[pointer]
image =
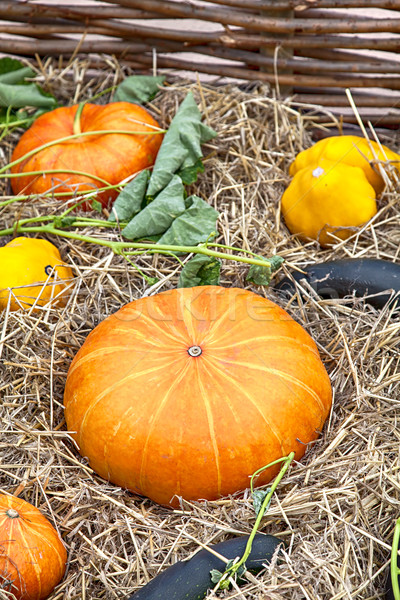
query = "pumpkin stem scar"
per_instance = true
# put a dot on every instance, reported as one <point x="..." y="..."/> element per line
<point x="12" y="513"/>
<point x="49" y="270"/>
<point x="194" y="351"/>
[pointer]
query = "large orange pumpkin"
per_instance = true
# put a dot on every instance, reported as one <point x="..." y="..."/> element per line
<point x="190" y="391"/>
<point x="32" y="555"/>
<point x="109" y="156"/>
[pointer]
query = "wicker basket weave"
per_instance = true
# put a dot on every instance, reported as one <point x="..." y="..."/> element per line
<point x="312" y="49"/>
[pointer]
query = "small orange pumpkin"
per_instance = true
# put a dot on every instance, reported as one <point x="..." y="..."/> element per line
<point x="32" y="555"/>
<point x="190" y="391"/>
<point x="109" y="156"/>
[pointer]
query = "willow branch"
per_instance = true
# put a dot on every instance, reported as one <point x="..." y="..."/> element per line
<point x="11" y="11"/>
<point x="278" y="5"/>
<point x="261" y="23"/>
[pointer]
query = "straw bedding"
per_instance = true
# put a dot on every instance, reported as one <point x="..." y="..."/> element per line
<point x="336" y="509"/>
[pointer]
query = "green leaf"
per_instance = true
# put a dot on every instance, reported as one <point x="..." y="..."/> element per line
<point x="258" y="499"/>
<point x="215" y="575"/>
<point x="14" y="71"/>
<point x="241" y="571"/>
<point x="151" y="280"/>
<point x="189" y="174"/>
<point x="6" y="116"/>
<point x="157" y="216"/>
<point x="193" y="226"/>
<point x="138" y="88"/>
<point x="20" y="118"/>
<point x="129" y="201"/>
<point x="200" y="270"/>
<point x="97" y="206"/>
<point x="262" y="275"/>
<point x="180" y="150"/>
<point x="60" y="222"/>
<point x="19" y="96"/>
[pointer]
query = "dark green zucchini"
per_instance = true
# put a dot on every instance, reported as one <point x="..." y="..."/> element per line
<point x="191" y="579"/>
<point x="352" y="276"/>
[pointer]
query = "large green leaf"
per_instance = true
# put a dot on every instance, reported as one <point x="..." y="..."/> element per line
<point x="13" y="71"/>
<point x="157" y="216"/>
<point x="15" y="92"/>
<point x="19" y="96"/>
<point x="181" y="147"/>
<point x="129" y="201"/>
<point x="193" y="226"/>
<point x="168" y="217"/>
<point x="138" y="88"/>
<point x="200" y="270"/>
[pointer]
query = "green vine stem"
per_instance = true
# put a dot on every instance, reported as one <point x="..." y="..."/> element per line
<point x="84" y="193"/>
<point x="134" y="248"/>
<point x="394" y="569"/>
<point x="287" y="460"/>
<point x="52" y="171"/>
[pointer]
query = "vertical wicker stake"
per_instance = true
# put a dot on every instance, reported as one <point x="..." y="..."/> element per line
<point x="271" y="51"/>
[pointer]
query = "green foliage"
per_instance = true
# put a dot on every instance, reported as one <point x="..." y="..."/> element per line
<point x="16" y="95"/>
<point x="130" y="200"/>
<point x="13" y="71"/>
<point x="189" y="174"/>
<point x="158" y="216"/>
<point x="155" y="205"/>
<point x="200" y="270"/>
<point x="62" y="222"/>
<point x="262" y="275"/>
<point x="181" y="147"/>
<point x="19" y="96"/>
<point x="16" y="92"/>
<point x="195" y="225"/>
<point x="97" y="206"/>
<point x="138" y="89"/>
<point x="216" y="575"/>
<point x="259" y="497"/>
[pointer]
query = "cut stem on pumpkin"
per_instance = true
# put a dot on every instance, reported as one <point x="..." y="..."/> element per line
<point x="76" y="128"/>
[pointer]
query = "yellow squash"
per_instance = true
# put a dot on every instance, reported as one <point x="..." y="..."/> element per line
<point x="350" y="150"/>
<point x="328" y="197"/>
<point x="33" y="272"/>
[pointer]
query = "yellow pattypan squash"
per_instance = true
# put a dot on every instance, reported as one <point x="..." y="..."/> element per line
<point x="326" y="197"/>
<point x="350" y="150"/>
<point x="34" y="272"/>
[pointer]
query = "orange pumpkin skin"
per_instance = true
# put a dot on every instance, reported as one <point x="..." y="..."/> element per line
<point x="32" y="555"/>
<point x="154" y="419"/>
<point x="112" y="157"/>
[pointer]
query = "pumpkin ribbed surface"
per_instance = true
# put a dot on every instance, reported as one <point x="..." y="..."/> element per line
<point x="32" y="555"/>
<point x="190" y="391"/>
<point x="109" y="156"/>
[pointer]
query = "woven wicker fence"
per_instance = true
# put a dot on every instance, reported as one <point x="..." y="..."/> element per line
<point x="312" y="49"/>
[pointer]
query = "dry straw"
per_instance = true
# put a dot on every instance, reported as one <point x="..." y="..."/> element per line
<point x="337" y="508"/>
